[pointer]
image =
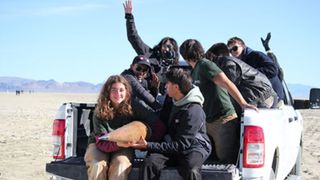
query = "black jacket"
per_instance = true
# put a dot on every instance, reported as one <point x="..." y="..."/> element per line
<point x="139" y="46"/>
<point x="140" y="90"/>
<point x="275" y="60"/>
<point x="265" y="65"/>
<point x="253" y="85"/>
<point x="186" y="128"/>
<point x="187" y="132"/>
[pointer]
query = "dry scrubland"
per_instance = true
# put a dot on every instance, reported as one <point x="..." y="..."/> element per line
<point x="25" y="134"/>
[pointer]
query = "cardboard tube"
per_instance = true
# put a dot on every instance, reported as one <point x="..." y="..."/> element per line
<point x="130" y="132"/>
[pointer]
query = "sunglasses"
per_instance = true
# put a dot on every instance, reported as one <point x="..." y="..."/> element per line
<point x="141" y="69"/>
<point x="234" y="48"/>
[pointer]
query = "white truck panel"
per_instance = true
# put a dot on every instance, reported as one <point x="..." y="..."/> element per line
<point x="282" y="132"/>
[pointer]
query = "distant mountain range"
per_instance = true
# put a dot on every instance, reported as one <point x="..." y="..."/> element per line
<point x="11" y="84"/>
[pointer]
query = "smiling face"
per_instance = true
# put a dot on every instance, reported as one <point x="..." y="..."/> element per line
<point x="236" y="48"/>
<point x="117" y="93"/>
<point x="140" y="71"/>
<point x="166" y="46"/>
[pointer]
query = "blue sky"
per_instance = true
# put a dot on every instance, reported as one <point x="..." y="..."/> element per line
<point x="85" y="40"/>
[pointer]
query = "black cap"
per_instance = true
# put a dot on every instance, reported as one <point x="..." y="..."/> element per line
<point x="141" y="59"/>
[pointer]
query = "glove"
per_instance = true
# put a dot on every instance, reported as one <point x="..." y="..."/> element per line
<point x="265" y="42"/>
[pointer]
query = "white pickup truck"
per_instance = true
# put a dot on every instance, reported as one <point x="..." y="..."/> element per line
<point x="271" y="145"/>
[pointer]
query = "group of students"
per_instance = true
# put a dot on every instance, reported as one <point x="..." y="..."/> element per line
<point x="202" y="105"/>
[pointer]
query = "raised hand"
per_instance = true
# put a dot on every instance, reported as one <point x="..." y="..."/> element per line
<point x="265" y="42"/>
<point x="127" y="5"/>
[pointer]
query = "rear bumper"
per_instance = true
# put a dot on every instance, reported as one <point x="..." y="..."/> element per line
<point x="74" y="168"/>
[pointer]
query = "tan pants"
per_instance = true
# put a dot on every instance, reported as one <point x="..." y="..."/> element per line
<point x="104" y="166"/>
<point x="225" y="134"/>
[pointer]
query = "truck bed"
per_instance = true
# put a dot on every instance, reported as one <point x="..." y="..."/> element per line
<point x="74" y="168"/>
<point x="280" y="126"/>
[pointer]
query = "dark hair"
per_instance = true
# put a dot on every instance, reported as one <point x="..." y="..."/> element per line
<point x="235" y="39"/>
<point x="104" y="107"/>
<point x="191" y="49"/>
<point x="173" y="42"/>
<point x="216" y="50"/>
<point x="181" y="78"/>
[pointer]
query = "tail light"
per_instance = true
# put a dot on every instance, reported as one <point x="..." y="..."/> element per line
<point x="254" y="147"/>
<point x="58" y="138"/>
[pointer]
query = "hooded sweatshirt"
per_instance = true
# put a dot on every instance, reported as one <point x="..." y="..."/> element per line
<point x="187" y="130"/>
<point x="194" y="96"/>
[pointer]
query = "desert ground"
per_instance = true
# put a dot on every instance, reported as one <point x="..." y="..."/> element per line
<point x="26" y="127"/>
